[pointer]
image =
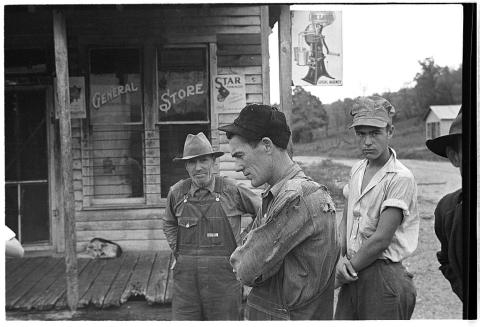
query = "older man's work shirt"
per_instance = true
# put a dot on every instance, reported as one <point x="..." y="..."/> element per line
<point x="392" y="186"/>
<point x="294" y="239"/>
<point x="236" y="200"/>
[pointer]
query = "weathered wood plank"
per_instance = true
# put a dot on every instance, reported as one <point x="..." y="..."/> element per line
<point x="158" y="280"/>
<point x="230" y="49"/>
<point x="226" y="118"/>
<point x="226" y="20"/>
<point x="240" y="60"/>
<point x="100" y="287"/>
<point x="85" y="280"/>
<point x="266" y="30"/>
<point x="120" y="225"/>
<point x="285" y="61"/>
<point x="152" y="188"/>
<point x="113" y="297"/>
<point x="31" y="264"/>
<point x="115" y="235"/>
<point x="56" y="290"/>
<point x="28" y="282"/>
<point x="240" y="70"/>
<point x="253" y="79"/>
<point x="225" y="38"/>
<point x="28" y="299"/>
<point x="253" y="88"/>
<point x="137" y="285"/>
<point x="124" y="214"/>
<point x="254" y="98"/>
<point x="12" y="264"/>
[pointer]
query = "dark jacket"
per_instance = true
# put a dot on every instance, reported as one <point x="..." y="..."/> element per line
<point x="449" y="230"/>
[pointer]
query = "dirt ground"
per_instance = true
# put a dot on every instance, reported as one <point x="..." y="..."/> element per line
<point x="435" y="299"/>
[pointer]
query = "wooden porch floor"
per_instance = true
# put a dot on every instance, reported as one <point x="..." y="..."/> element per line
<point x="38" y="283"/>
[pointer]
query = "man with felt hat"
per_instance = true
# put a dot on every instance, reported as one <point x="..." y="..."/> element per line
<point x="448" y="213"/>
<point x="202" y="225"/>
<point x="289" y="255"/>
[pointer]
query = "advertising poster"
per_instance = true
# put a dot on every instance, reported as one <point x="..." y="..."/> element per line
<point x="317" y="48"/>
<point x="77" y="98"/>
<point x="229" y="92"/>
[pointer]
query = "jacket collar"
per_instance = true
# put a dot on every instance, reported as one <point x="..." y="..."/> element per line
<point x="293" y="170"/>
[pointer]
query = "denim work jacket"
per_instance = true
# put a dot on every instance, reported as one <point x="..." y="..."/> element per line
<point x="290" y="254"/>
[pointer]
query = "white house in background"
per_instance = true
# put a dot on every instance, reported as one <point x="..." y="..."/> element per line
<point x="438" y="120"/>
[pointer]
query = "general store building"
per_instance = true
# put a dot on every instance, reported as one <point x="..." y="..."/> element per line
<point x="141" y="79"/>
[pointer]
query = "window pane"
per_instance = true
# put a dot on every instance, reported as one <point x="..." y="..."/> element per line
<point x="116" y="165"/>
<point x="172" y="139"/>
<point x="117" y="162"/>
<point x="115" y="86"/>
<point x="183" y="84"/>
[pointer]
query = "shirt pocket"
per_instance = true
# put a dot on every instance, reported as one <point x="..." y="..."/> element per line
<point x="188" y="230"/>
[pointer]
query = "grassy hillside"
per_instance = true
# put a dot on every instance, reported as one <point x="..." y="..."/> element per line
<point x="408" y="141"/>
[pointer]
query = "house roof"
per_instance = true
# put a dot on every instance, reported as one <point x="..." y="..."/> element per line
<point x="444" y="112"/>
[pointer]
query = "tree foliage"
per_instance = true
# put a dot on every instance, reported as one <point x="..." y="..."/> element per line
<point x="308" y="114"/>
<point x="434" y="85"/>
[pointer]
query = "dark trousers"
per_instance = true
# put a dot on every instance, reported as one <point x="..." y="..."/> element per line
<point x="205" y="288"/>
<point x="384" y="290"/>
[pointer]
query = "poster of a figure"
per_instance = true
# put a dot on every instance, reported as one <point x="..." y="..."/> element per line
<point x="317" y="48"/>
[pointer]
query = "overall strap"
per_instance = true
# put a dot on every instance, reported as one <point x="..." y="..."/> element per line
<point x="218" y="184"/>
<point x="185" y="186"/>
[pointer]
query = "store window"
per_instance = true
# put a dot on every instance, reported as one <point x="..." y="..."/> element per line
<point x="116" y="124"/>
<point x="184" y="105"/>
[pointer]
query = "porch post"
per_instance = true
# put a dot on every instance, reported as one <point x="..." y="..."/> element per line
<point x="63" y="98"/>
<point x="285" y="61"/>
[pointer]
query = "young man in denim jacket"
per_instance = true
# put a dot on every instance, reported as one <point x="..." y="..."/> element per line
<point x="289" y="256"/>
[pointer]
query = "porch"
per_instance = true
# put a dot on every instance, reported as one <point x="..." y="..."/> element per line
<point x="38" y="283"/>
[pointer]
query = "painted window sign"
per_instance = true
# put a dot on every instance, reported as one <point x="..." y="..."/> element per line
<point x="170" y="98"/>
<point x="317" y="48"/>
<point x="229" y="92"/>
<point x="99" y="99"/>
<point x="182" y="87"/>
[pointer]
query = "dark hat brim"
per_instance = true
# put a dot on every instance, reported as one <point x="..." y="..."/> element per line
<point x="215" y="154"/>
<point x="238" y="130"/>
<point x="438" y="145"/>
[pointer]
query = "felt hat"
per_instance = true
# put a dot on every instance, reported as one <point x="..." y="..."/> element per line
<point x="197" y="146"/>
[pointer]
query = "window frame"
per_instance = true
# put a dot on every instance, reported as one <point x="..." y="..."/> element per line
<point x="211" y="64"/>
<point x="87" y="143"/>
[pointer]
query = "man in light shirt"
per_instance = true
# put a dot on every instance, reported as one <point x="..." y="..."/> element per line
<point x="380" y="223"/>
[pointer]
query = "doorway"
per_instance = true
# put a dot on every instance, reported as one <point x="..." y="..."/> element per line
<point x="26" y="165"/>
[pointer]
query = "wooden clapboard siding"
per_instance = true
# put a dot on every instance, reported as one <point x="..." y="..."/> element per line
<point x="235" y="36"/>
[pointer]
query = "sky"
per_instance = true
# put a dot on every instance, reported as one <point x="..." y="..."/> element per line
<point x="382" y="45"/>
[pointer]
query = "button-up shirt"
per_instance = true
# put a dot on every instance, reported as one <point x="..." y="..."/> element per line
<point x="392" y="186"/>
<point x="296" y="231"/>
<point x="236" y="200"/>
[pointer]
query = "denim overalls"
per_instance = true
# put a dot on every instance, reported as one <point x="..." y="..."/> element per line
<point x="205" y="287"/>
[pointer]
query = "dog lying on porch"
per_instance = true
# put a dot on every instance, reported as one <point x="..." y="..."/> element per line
<point x="100" y="248"/>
